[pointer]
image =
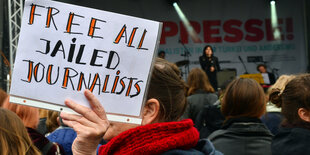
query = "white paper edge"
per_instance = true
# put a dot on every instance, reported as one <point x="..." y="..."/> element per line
<point x="49" y="106"/>
<point x="151" y="67"/>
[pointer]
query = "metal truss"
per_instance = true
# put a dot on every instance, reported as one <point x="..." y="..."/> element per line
<point x="15" y="8"/>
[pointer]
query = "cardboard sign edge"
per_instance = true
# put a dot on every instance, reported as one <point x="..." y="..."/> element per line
<point x="60" y="108"/>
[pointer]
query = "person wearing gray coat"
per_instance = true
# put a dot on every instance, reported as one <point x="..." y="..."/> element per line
<point x="197" y="101"/>
<point x="200" y="93"/>
<point x="243" y="133"/>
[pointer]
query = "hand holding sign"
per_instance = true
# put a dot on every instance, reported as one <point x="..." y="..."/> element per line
<point x="63" y="51"/>
<point x="90" y="126"/>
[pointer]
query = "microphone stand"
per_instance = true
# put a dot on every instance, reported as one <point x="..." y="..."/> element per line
<point x="186" y="58"/>
<point x="246" y="71"/>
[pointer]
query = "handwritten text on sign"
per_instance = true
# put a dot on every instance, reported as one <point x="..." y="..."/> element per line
<point x="64" y="49"/>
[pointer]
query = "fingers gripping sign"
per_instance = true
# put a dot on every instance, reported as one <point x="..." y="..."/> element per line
<point x="95" y="105"/>
<point x="90" y="126"/>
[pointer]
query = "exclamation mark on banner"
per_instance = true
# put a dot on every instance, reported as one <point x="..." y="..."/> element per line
<point x="289" y="29"/>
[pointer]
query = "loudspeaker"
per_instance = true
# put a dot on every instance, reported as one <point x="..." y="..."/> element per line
<point x="225" y="75"/>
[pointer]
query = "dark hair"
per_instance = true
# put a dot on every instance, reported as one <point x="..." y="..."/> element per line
<point x="167" y="86"/>
<point x="275" y="97"/>
<point x="243" y="98"/>
<point x="260" y="65"/>
<point x="295" y="96"/>
<point x="160" y="52"/>
<point x="205" y="48"/>
<point x="198" y="79"/>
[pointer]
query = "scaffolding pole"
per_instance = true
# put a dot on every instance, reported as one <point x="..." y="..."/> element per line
<point x="15" y="17"/>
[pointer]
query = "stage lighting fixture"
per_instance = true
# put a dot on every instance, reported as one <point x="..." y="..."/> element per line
<point x="175" y="4"/>
<point x="274" y="20"/>
<point x="189" y="28"/>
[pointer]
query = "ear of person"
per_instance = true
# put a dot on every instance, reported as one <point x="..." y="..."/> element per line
<point x="150" y="112"/>
<point x="304" y="114"/>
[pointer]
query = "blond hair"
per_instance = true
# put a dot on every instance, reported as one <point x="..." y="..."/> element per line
<point x="282" y="81"/>
<point x="51" y="121"/>
<point x="276" y="89"/>
<point x="14" y="138"/>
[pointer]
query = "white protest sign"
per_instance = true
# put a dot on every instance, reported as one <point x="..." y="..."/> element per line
<point x="64" y="49"/>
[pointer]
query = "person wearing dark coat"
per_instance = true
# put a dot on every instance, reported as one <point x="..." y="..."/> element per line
<point x="208" y="120"/>
<point x="197" y="101"/>
<point x="203" y="147"/>
<point x="290" y="141"/>
<point x="272" y="120"/>
<point x="209" y="63"/>
<point x="210" y="117"/>
<point x="42" y="126"/>
<point x="242" y="132"/>
<point x="43" y="144"/>
<point x="242" y="136"/>
<point x="271" y="77"/>
<point x="200" y="93"/>
<point x="294" y="134"/>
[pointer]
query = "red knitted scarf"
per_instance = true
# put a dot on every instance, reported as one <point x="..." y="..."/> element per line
<point x="153" y="139"/>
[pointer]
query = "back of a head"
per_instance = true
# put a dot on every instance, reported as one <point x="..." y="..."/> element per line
<point x="51" y="121"/>
<point x="14" y="138"/>
<point x="167" y="86"/>
<point x="43" y="113"/>
<point x="260" y="65"/>
<point x="197" y="79"/>
<point x="295" y="96"/>
<point x="279" y="86"/>
<point x="282" y="82"/>
<point x="243" y="98"/>
<point x="29" y="115"/>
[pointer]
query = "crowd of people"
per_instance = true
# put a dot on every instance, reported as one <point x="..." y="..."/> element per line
<point x="178" y="117"/>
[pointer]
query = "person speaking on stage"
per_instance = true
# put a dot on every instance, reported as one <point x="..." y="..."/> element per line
<point x="263" y="70"/>
<point x="209" y="63"/>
